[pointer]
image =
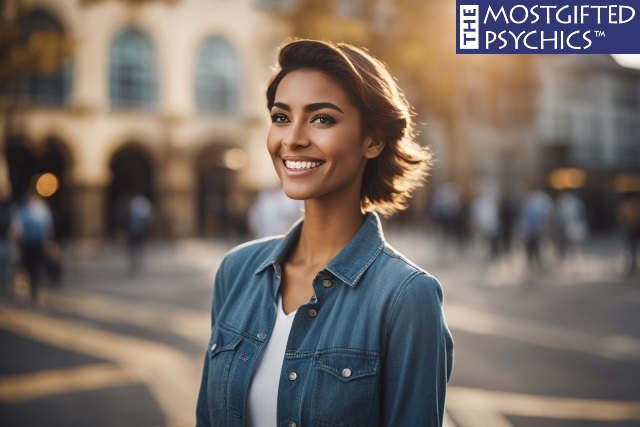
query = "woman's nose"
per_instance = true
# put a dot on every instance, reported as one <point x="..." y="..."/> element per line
<point x="296" y="137"/>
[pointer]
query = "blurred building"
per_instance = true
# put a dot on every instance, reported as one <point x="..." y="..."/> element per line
<point x="561" y="122"/>
<point x="588" y="129"/>
<point x="164" y="99"/>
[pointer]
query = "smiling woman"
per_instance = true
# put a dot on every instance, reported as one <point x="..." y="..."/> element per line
<point x="326" y="135"/>
<point x="328" y="325"/>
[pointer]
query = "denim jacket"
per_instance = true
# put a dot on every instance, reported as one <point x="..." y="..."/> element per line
<point x="371" y="348"/>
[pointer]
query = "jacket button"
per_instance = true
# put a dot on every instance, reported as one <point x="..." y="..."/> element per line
<point x="312" y="312"/>
<point x="327" y="283"/>
<point x="346" y="372"/>
<point x="293" y="376"/>
<point x="261" y="335"/>
<point x="292" y="424"/>
<point x="213" y="347"/>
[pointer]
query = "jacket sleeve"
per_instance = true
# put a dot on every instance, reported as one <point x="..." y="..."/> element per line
<point x="203" y="417"/>
<point x="418" y="356"/>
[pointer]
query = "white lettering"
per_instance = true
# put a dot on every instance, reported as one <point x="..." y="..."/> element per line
<point x="490" y="37"/>
<point x="495" y="17"/>
<point x="534" y="13"/>
<point x="469" y="29"/>
<point x="583" y="13"/>
<point x="502" y="39"/>
<point x="516" y="39"/>
<point x="585" y="36"/>
<point x="526" y="44"/>
<point x="554" y="39"/>
<point x="612" y="15"/>
<point x="548" y="9"/>
<point x="599" y="8"/>
<point x="526" y="14"/>
<point x="633" y="13"/>
<point x="569" y="40"/>
<point x="559" y="19"/>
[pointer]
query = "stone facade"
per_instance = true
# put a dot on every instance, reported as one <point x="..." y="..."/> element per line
<point x="198" y="164"/>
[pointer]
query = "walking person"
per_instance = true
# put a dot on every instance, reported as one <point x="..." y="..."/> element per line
<point x="138" y="218"/>
<point x="273" y="213"/>
<point x="35" y="229"/>
<point x="534" y="220"/>
<point x="6" y="214"/>
<point x="447" y="211"/>
<point x="571" y="224"/>
<point x="328" y="325"/>
<point x="485" y="218"/>
<point x="508" y="212"/>
<point x="629" y="218"/>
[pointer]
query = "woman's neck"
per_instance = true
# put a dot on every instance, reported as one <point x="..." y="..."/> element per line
<point x="325" y="232"/>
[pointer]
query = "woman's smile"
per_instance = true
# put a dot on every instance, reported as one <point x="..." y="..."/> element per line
<point x="298" y="165"/>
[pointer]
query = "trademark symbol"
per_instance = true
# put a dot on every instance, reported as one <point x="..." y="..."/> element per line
<point x="600" y="33"/>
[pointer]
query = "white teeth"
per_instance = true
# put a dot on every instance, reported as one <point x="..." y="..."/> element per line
<point x="299" y="165"/>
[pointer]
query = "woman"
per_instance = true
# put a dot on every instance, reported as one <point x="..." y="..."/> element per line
<point x="328" y="325"/>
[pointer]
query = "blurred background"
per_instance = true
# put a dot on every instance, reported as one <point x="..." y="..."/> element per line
<point x="132" y="157"/>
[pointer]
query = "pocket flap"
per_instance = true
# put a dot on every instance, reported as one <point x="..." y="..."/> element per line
<point x="223" y="340"/>
<point x="348" y="365"/>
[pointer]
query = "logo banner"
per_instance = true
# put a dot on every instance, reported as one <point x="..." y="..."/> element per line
<point x="544" y="26"/>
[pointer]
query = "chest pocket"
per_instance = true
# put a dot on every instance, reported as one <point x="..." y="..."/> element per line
<point x="222" y="351"/>
<point x="344" y="388"/>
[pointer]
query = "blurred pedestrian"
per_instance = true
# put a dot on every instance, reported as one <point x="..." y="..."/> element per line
<point x="138" y="220"/>
<point x="6" y="215"/>
<point x="508" y="209"/>
<point x="629" y="218"/>
<point x="35" y="230"/>
<point x="571" y="226"/>
<point x="329" y="325"/>
<point x="273" y="213"/>
<point x="485" y="218"/>
<point x="445" y="208"/>
<point x="533" y="223"/>
<point x="449" y="209"/>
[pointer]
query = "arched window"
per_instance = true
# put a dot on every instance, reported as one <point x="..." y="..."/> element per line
<point x="132" y="77"/>
<point x="216" y="76"/>
<point x="43" y="75"/>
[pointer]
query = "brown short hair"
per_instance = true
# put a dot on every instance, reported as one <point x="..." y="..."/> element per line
<point x="403" y="164"/>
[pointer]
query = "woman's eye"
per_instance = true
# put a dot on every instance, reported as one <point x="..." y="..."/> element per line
<point x="323" y="120"/>
<point x="279" y="118"/>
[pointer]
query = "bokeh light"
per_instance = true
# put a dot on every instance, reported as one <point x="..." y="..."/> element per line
<point x="567" y="178"/>
<point x="234" y="158"/>
<point x="47" y="184"/>
<point x="627" y="183"/>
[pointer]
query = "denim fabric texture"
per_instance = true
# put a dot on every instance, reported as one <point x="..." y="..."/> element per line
<point x="371" y="348"/>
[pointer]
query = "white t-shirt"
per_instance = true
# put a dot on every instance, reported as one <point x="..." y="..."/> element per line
<point x="262" y="407"/>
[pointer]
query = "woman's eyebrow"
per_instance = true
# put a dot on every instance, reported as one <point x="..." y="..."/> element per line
<point x="311" y="107"/>
<point x="320" y="105"/>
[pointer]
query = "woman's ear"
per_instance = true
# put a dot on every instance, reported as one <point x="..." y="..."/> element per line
<point x="374" y="146"/>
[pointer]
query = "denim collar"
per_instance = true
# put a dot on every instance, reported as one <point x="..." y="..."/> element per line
<point x="352" y="261"/>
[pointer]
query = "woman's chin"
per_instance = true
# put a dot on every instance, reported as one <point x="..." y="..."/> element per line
<point x="295" y="194"/>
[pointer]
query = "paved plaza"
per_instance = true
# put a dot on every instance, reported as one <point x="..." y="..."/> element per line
<point x="557" y="346"/>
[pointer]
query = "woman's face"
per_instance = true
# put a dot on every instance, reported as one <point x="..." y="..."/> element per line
<point x="315" y="138"/>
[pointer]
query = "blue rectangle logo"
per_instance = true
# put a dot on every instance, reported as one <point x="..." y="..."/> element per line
<point x="547" y="26"/>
